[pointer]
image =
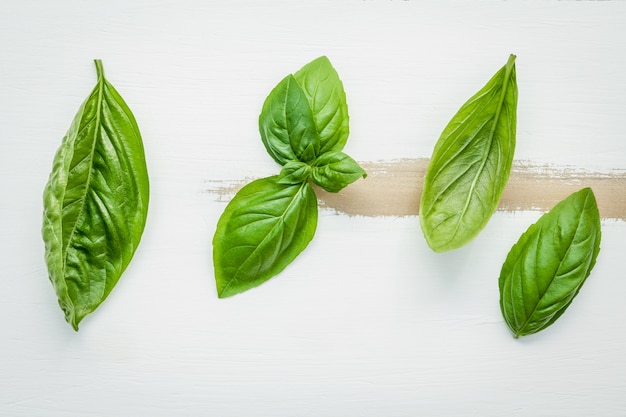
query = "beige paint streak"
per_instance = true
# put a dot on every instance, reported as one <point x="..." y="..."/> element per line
<point x="394" y="188"/>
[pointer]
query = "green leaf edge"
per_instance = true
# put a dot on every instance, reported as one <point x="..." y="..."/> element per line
<point x="60" y="287"/>
<point x="593" y="217"/>
<point x="226" y="217"/>
<point x="508" y="67"/>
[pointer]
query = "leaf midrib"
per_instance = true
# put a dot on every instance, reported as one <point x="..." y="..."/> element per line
<point x="485" y="156"/>
<point x="280" y="219"/>
<point x="100" y="86"/>
<point x="520" y="332"/>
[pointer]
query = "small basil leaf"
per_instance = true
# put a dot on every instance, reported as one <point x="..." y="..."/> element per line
<point x="263" y="228"/>
<point x="309" y="153"/>
<point x="335" y="170"/>
<point x="286" y="124"/>
<point x="294" y="173"/>
<point x="95" y="202"/>
<point x="546" y="268"/>
<point x="470" y="165"/>
<point x="324" y="91"/>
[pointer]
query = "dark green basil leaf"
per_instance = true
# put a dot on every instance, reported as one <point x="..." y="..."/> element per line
<point x="546" y="268"/>
<point x="334" y="170"/>
<point x="327" y="99"/>
<point x="95" y="202"/>
<point x="471" y="164"/>
<point x="263" y="228"/>
<point x="286" y="124"/>
<point x="294" y="173"/>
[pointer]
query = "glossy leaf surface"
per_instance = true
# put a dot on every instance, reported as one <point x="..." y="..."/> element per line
<point x="335" y="170"/>
<point x="324" y="90"/>
<point x="287" y="125"/>
<point x="263" y="228"/>
<point x="546" y="268"/>
<point x="470" y="165"/>
<point x="294" y="173"/>
<point x="95" y="202"/>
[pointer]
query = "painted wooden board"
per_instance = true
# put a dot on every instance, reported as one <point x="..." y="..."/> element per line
<point x="368" y="321"/>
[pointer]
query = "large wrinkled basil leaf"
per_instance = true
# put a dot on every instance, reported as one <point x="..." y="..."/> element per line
<point x="95" y="202"/>
<point x="335" y="170"/>
<point x="546" y="268"/>
<point x="327" y="99"/>
<point x="263" y="228"/>
<point x="286" y="124"/>
<point x="470" y="165"/>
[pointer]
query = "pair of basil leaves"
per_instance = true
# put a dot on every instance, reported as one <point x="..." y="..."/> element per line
<point x="464" y="181"/>
<point x="96" y="199"/>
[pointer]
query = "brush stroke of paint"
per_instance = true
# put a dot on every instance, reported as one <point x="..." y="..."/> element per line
<point x="394" y="188"/>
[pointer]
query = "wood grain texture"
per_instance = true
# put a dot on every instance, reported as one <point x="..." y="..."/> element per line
<point x="368" y="321"/>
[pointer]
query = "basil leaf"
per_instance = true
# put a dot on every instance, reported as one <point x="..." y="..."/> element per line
<point x="546" y="268"/>
<point x="286" y="124"/>
<point x="95" y="202"/>
<point x="471" y="164"/>
<point x="294" y="173"/>
<point x="263" y="228"/>
<point x="334" y="170"/>
<point x="327" y="99"/>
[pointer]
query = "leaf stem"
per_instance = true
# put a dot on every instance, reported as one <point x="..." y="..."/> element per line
<point x="99" y="68"/>
<point x="510" y="62"/>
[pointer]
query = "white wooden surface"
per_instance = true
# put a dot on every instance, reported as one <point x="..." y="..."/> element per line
<point x="368" y="321"/>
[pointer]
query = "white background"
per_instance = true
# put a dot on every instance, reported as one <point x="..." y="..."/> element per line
<point x="367" y="321"/>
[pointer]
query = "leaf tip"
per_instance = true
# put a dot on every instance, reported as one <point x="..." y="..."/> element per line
<point x="323" y="58"/>
<point x="587" y="191"/>
<point x="438" y="248"/>
<point x="223" y="290"/>
<point x="74" y="323"/>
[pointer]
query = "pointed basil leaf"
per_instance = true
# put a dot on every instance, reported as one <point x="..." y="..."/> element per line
<point x="309" y="153"/>
<point x="324" y="91"/>
<point x="264" y="227"/>
<point x="294" y="173"/>
<point x="470" y="164"/>
<point x="286" y="124"/>
<point x="546" y="268"/>
<point x="95" y="202"/>
<point x="335" y="170"/>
